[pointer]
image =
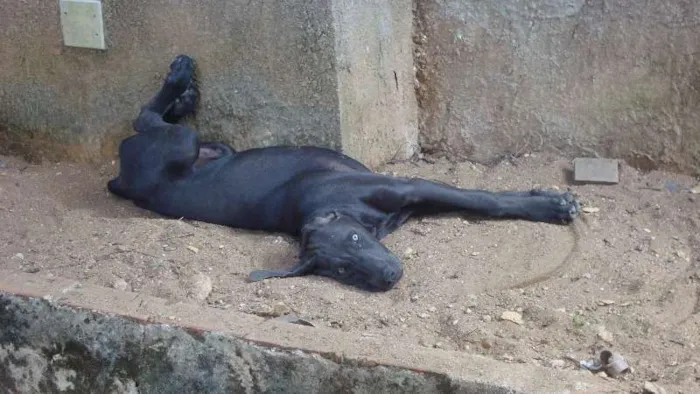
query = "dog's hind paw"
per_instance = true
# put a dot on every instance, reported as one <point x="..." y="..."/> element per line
<point x="185" y="104"/>
<point x="181" y="72"/>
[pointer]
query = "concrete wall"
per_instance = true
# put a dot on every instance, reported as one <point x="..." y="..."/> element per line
<point x="268" y="73"/>
<point x="614" y="78"/>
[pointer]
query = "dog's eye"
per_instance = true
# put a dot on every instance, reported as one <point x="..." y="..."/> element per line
<point x="355" y="237"/>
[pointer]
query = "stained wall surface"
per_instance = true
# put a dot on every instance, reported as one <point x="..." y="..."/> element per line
<point x="615" y="78"/>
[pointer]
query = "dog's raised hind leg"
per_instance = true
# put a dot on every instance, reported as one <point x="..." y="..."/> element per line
<point x="177" y="96"/>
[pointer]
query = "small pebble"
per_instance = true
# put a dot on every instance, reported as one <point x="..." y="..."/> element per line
<point x="280" y="309"/>
<point x="409" y="253"/>
<point x="605" y="335"/>
<point x="192" y="249"/>
<point x="120" y="284"/>
<point x="653" y="388"/>
<point x="200" y="287"/>
<point x="590" y="209"/>
<point x="511" y="316"/>
<point x="486" y="318"/>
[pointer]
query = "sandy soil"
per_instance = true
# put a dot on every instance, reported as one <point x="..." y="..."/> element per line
<point x="624" y="278"/>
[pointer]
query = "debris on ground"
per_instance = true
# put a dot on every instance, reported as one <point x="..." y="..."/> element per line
<point x="200" y="287"/>
<point x="120" y="284"/>
<point x="605" y="335"/>
<point x="511" y="316"/>
<point x="590" y="209"/>
<point x="595" y="170"/>
<point x="613" y="364"/>
<point x="652" y="388"/>
<point x="294" y="319"/>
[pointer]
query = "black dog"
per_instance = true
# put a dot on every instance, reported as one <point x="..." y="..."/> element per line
<point x="338" y="207"/>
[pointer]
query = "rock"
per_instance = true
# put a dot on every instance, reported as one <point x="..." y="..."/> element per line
<point x="120" y="284"/>
<point x="596" y="170"/>
<point x="200" y="287"/>
<point x="18" y="256"/>
<point x="432" y="309"/>
<point x="409" y="253"/>
<point x="652" y="388"/>
<point x="606" y="302"/>
<point x="192" y="249"/>
<point x="695" y="190"/>
<point x="511" y="316"/>
<point x="280" y="309"/>
<point x="486" y="318"/>
<point x="590" y="209"/>
<point x="605" y="335"/>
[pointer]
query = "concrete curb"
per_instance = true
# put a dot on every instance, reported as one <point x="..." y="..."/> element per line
<point x="34" y="308"/>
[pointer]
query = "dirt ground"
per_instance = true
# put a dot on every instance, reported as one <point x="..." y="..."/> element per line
<point x="624" y="277"/>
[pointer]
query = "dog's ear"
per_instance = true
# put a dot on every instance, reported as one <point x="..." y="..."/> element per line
<point x="315" y="223"/>
<point x="323" y="219"/>
<point x="304" y="267"/>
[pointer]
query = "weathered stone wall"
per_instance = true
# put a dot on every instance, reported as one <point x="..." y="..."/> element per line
<point x="268" y="73"/>
<point x="60" y="335"/>
<point x="615" y="78"/>
<point x="49" y="349"/>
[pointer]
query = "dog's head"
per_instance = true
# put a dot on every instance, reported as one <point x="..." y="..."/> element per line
<point x="338" y="247"/>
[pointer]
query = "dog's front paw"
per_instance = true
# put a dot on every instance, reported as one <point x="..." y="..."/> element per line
<point x="553" y="207"/>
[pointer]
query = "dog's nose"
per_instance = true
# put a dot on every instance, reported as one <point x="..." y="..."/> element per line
<point x="392" y="276"/>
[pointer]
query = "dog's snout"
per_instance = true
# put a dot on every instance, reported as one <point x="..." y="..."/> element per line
<point x="392" y="276"/>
